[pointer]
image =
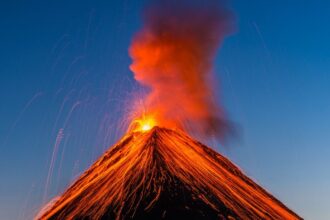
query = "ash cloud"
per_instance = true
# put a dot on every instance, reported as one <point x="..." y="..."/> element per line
<point x="173" y="55"/>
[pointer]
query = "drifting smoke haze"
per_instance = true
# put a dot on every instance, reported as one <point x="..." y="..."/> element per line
<point x="173" y="56"/>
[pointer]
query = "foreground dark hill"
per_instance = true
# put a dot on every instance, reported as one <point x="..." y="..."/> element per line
<point x="164" y="174"/>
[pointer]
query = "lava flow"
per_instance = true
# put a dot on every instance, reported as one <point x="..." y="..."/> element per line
<point x="165" y="174"/>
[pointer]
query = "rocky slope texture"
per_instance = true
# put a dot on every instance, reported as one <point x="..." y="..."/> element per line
<point x="164" y="174"/>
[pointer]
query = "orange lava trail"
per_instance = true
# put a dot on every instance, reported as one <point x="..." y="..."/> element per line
<point x="141" y="165"/>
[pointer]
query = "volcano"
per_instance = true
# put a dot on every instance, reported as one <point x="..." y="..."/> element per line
<point x="164" y="174"/>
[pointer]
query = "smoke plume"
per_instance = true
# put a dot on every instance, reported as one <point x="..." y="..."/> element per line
<point x="173" y="56"/>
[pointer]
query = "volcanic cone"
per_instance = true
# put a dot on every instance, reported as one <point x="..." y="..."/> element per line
<point x="164" y="174"/>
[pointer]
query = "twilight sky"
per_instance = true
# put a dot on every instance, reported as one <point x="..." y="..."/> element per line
<point x="65" y="87"/>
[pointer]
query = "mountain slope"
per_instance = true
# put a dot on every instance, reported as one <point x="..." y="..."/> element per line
<point x="165" y="174"/>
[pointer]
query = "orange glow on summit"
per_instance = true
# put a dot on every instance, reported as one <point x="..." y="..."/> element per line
<point x="146" y="127"/>
<point x="144" y="124"/>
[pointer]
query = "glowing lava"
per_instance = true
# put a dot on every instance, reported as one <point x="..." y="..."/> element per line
<point x="146" y="127"/>
<point x="164" y="174"/>
<point x="145" y="123"/>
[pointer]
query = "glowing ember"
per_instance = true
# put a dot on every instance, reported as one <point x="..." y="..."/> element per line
<point x="146" y="127"/>
<point x="144" y="124"/>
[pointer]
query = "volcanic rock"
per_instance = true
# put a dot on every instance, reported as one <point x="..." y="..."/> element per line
<point x="164" y="174"/>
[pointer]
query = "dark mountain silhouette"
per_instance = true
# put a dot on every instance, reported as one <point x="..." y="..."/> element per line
<point x="164" y="174"/>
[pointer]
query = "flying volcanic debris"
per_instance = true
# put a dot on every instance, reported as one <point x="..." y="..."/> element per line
<point x="173" y="55"/>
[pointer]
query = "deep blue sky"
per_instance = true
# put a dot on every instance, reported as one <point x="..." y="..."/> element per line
<point x="64" y="79"/>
